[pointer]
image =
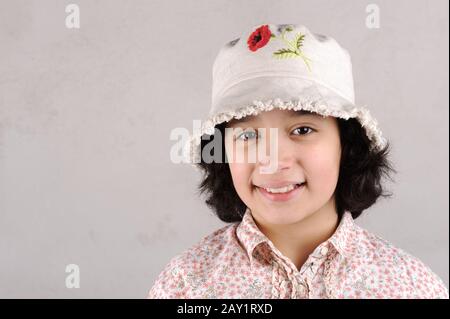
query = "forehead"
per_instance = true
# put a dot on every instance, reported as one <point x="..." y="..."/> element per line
<point x="288" y="114"/>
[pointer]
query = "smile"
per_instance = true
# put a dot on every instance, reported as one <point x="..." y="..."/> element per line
<point x="281" y="194"/>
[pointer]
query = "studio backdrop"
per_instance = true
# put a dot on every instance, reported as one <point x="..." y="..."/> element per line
<point x="91" y="204"/>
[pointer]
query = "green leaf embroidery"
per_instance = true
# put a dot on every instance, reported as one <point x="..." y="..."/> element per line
<point x="299" y="40"/>
<point x="294" y="49"/>
<point x="285" y="53"/>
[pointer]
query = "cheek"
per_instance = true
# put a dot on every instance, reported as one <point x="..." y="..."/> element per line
<point x="240" y="172"/>
<point x="321" y="164"/>
<point x="241" y="175"/>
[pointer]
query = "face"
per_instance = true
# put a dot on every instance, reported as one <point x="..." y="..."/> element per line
<point x="308" y="150"/>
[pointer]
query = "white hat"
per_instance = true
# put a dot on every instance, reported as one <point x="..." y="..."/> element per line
<point x="282" y="66"/>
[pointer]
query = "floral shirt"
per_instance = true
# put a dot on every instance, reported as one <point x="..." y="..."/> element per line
<point x="239" y="261"/>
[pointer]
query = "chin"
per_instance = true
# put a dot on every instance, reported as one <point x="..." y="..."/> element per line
<point x="283" y="215"/>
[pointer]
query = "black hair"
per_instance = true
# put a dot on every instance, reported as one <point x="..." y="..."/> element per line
<point x="359" y="184"/>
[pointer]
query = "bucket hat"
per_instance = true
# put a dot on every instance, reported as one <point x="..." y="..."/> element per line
<point x="283" y="66"/>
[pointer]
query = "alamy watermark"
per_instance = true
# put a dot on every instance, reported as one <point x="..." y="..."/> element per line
<point x="373" y="17"/>
<point x="73" y="279"/>
<point x="244" y="146"/>
<point x="73" y="18"/>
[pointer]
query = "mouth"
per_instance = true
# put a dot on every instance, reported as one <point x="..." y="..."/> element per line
<point x="283" y="193"/>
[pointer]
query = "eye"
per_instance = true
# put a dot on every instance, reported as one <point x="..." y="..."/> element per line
<point x="303" y="130"/>
<point x="245" y="136"/>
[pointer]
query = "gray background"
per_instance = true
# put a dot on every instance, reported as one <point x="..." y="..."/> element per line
<point x="85" y="118"/>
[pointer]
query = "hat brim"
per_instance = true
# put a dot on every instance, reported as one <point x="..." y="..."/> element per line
<point x="257" y="95"/>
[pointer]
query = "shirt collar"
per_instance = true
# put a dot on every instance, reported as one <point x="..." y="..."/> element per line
<point x="343" y="237"/>
<point x="250" y="236"/>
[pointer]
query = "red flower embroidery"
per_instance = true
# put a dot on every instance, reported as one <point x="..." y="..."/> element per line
<point x="259" y="38"/>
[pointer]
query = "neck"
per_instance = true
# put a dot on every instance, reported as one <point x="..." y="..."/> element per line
<point x="297" y="241"/>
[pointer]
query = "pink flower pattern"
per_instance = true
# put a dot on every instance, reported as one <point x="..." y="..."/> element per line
<point x="239" y="261"/>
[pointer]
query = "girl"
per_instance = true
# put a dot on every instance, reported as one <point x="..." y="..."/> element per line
<point x="292" y="232"/>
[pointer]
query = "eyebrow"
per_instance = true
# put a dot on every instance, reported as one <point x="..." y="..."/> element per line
<point x="247" y="119"/>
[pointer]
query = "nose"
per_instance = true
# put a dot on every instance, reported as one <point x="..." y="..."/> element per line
<point x="281" y="153"/>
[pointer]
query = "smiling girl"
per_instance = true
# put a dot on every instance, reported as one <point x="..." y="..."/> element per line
<point x="294" y="207"/>
<point x="292" y="232"/>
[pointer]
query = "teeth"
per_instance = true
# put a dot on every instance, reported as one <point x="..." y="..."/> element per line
<point x="282" y="189"/>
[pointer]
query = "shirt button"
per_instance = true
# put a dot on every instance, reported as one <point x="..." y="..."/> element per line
<point x="324" y="251"/>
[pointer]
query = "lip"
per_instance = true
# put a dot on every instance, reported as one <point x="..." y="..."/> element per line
<point x="281" y="197"/>
<point x="277" y="184"/>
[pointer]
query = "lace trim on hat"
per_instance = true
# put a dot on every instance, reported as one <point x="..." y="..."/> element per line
<point x="191" y="150"/>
